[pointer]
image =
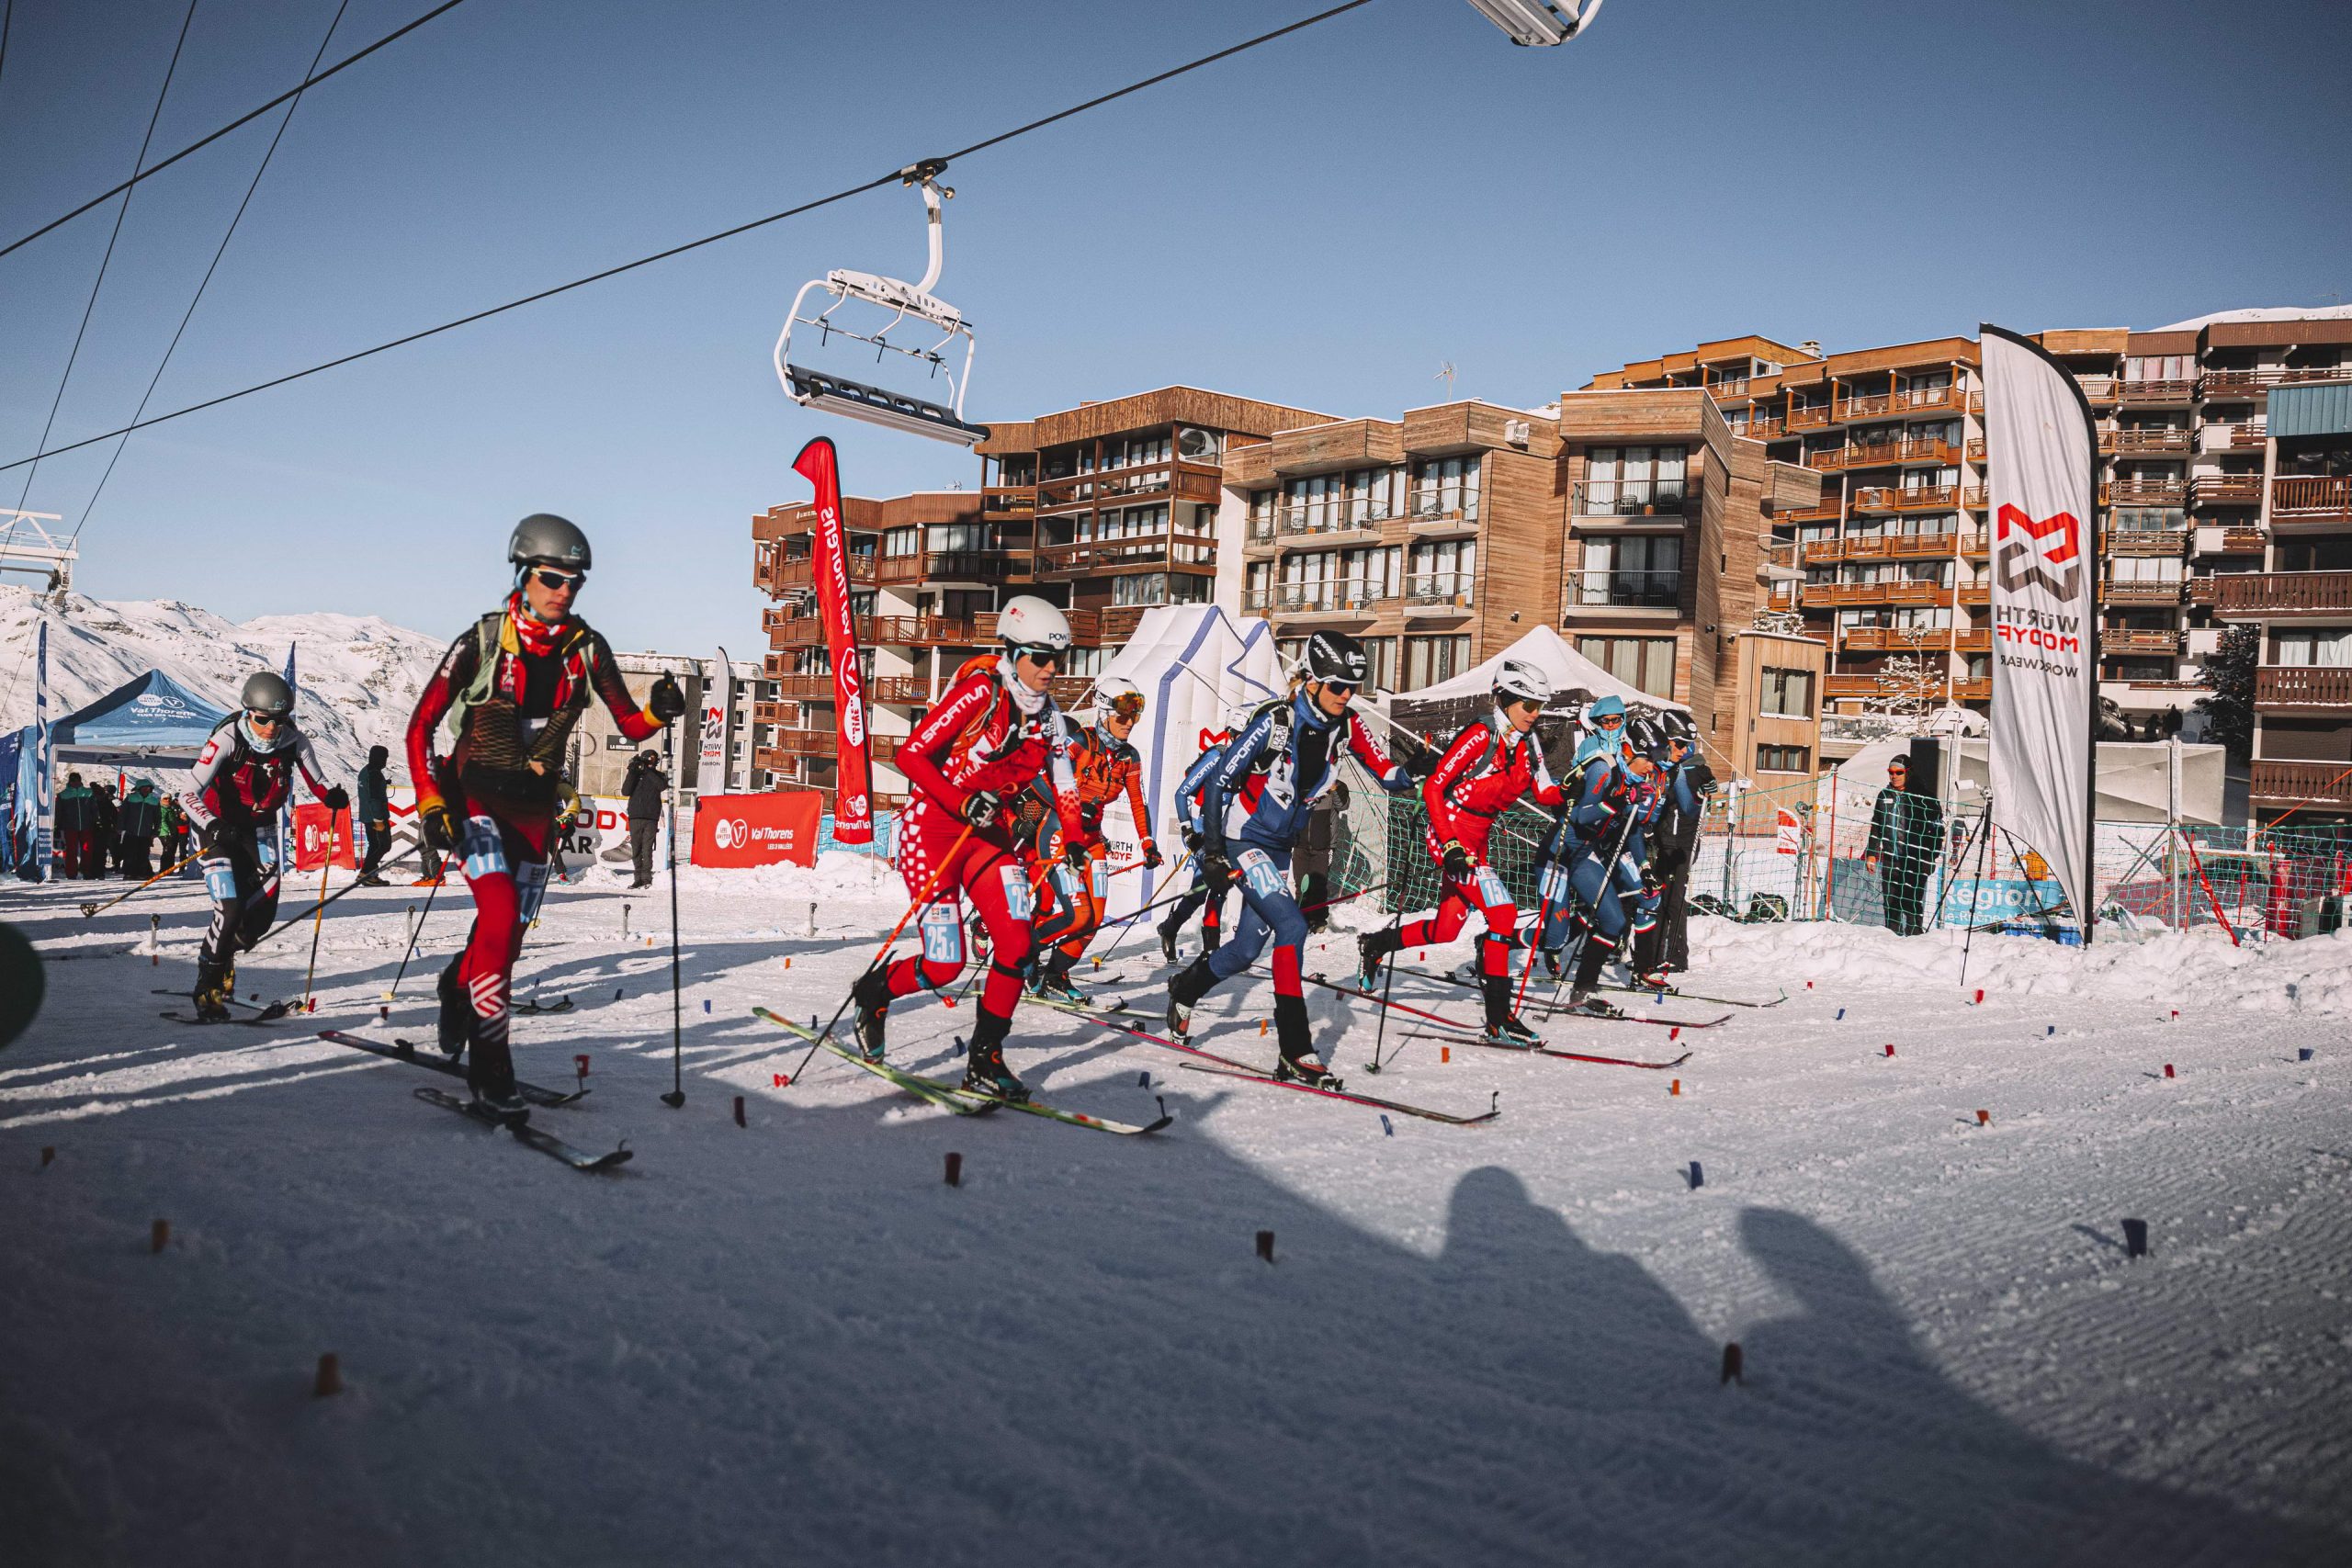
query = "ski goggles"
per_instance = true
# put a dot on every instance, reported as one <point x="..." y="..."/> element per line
<point x="264" y="720"/>
<point x="1127" y="705"/>
<point x="553" y="581"/>
<point x="1040" y="655"/>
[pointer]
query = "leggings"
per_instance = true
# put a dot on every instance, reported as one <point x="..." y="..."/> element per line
<point x="1483" y="891"/>
<point x="504" y="850"/>
<point x="988" y="874"/>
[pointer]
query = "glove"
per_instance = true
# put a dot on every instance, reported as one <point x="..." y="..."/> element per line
<point x="1214" y="864"/>
<point x="1458" y="864"/>
<point x="336" y="798"/>
<point x="981" y="807"/>
<point x="667" y="702"/>
<point x="1152" y="858"/>
<point x="1649" y="883"/>
<point x="440" y="826"/>
<point x="1419" y="763"/>
<point x="1191" y="838"/>
<point x="211" y="836"/>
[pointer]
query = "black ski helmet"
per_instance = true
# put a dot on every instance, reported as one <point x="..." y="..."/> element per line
<point x="267" y="692"/>
<point x="545" y="539"/>
<point x="1336" y="656"/>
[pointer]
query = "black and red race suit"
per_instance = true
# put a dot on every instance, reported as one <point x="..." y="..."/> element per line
<point x="988" y="734"/>
<point x="518" y="687"/>
<point x="240" y="781"/>
<point x="1489" y="767"/>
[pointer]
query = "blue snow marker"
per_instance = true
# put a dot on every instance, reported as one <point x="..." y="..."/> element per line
<point x="1143" y="1080"/>
<point x="1698" y="1176"/>
<point x="1841" y="1014"/>
<point x="1387" y="1131"/>
<point x="2303" y="1054"/>
<point x="706" y="1004"/>
<point x="617" y="993"/>
<point x="2135" y="1238"/>
<point x="2048" y="1029"/>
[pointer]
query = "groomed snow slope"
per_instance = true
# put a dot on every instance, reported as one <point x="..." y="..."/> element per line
<point x="792" y="1343"/>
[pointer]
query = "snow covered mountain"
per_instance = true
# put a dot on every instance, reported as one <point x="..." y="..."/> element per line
<point x="357" y="675"/>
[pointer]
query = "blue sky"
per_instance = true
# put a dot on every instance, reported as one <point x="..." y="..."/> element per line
<point x="1319" y="222"/>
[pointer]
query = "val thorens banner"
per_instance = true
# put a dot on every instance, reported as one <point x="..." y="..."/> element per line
<point x="852" y="801"/>
<point x="2040" y="451"/>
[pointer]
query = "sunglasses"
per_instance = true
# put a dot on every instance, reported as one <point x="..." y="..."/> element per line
<point x="1051" y="656"/>
<point x="1345" y="688"/>
<point x="554" y="580"/>
<point x="1610" y="721"/>
<point x="264" y="720"/>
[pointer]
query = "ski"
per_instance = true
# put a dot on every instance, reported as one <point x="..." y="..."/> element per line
<point x="401" y="1051"/>
<point x="1614" y="1015"/>
<point x="260" y="1022"/>
<point x="1075" y="1117"/>
<point x="1227" y="1067"/>
<point x="273" y="1010"/>
<point x="1619" y="1015"/>
<point x="561" y="1004"/>
<point x="1060" y="1006"/>
<point x="546" y="1142"/>
<point x="1662" y="993"/>
<point x="1544" y="1051"/>
<point x="931" y="1089"/>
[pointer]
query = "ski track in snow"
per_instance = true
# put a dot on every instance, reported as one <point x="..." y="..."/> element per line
<point x="791" y="1342"/>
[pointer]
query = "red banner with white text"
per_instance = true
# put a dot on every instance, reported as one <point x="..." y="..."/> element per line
<point x="311" y="838"/>
<point x="758" y="830"/>
<point x="852" y="800"/>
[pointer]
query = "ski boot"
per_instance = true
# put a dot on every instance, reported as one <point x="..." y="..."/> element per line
<point x="456" y="1020"/>
<point x="869" y="1007"/>
<point x="1189" y="986"/>
<point x="1299" y="1061"/>
<point x="211" y="997"/>
<point x="1583" y="1004"/>
<point x="984" y="1069"/>
<point x="1373" y="948"/>
<point x="1169" y="933"/>
<point x="1052" y="984"/>
<point x="503" y="1101"/>
<point x="1504" y="1026"/>
<point x="1653" y="980"/>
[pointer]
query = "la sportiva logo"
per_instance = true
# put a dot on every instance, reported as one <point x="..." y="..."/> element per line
<point x="2049" y="554"/>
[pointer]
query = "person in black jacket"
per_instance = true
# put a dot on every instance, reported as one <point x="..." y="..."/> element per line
<point x="140" y="818"/>
<point x="1685" y="783"/>
<point x="1906" y="838"/>
<point x="645" y="785"/>
<point x="102" y="831"/>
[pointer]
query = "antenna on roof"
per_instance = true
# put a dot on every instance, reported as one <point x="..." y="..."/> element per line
<point x="1445" y="374"/>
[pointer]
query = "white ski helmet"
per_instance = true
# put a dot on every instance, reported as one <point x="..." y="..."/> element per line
<point x="1521" y="680"/>
<point x="1027" y="621"/>
<point x="1116" y="693"/>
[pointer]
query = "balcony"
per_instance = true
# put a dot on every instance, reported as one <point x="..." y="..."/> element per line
<point x="2235" y="384"/>
<point x="1976" y="449"/>
<point x="790" y="631"/>
<point x="2304" y="688"/>
<point x="1910" y="498"/>
<point x="1974" y="596"/>
<point x="1764" y="427"/>
<point x="1439" y="593"/>
<point x="2304" y="498"/>
<point x="2286" y="595"/>
<point x="1334" y="518"/>
<point x="1007" y="500"/>
<point x="2144" y="441"/>
<point x="2281" y="786"/>
<point x="2145" y="541"/>
<point x="1348" y="599"/>
<point x="2097" y="388"/>
<point x="1928" y="399"/>
<point x="1667" y="500"/>
<point x="1979" y="690"/>
<point x="2146" y="492"/>
<point x="945" y="566"/>
<point x="2150" y="393"/>
<point x="1821" y="552"/>
<point x="1869" y="405"/>
<point x="1134" y="552"/>
<point x="1604" y="588"/>
<point x="1850" y="688"/>
<point x="1973" y="498"/>
<point x="1828" y="510"/>
<point x="1878" y="455"/>
<point x="1899" y="547"/>
<point x="2140" y="591"/>
<point x="2225" y="489"/>
<point x="780" y="573"/>
<point x="1438" y="514"/>
<point x="1897" y="591"/>
<point x="1809" y="416"/>
<point x="787" y="742"/>
<point x="2251" y="434"/>
<point x="1975" y="543"/>
<point x="2217" y="540"/>
<point x="798" y="688"/>
<point x="1977" y="640"/>
<point x="2137" y="640"/>
<point x="1894" y="640"/>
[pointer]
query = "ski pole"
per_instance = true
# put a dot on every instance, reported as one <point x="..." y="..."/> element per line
<point x="930" y="883"/>
<point x="1181" y="862"/>
<point x="89" y="910"/>
<point x="319" y="916"/>
<point x="415" y="937"/>
<point x="677" y="1095"/>
<point x="298" y="920"/>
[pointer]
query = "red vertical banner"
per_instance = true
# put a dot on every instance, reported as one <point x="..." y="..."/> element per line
<point x="853" y="803"/>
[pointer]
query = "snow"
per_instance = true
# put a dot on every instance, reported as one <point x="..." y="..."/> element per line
<point x="791" y="1342"/>
<point x="2265" y="313"/>
<point x="358" y="675"/>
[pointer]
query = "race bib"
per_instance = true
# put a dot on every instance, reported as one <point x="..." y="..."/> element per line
<point x="1260" y="873"/>
<point x="220" y="880"/>
<point x="1558" y="890"/>
<point x="1020" y="898"/>
<point x="485" y="852"/>
<point x="530" y="890"/>
<point x="1101" y="873"/>
<point x="1490" y="887"/>
<point x="943" y="933"/>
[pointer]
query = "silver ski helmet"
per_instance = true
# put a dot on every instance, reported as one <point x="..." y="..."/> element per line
<point x="1336" y="656"/>
<point x="266" y="692"/>
<point x="545" y="539"/>
<point x="1518" y="679"/>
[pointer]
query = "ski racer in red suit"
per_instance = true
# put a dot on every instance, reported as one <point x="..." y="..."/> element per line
<point x="1078" y="872"/>
<point x="990" y="737"/>
<point x="1492" y="764"/>
<point x="242" y="776"/>
<point x="513" y="685"/>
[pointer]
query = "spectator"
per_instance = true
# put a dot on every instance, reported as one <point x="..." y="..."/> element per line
<point x="141" y="817"/>
<point x="645" y="785"/>
<point x="373" y="798"/>
<point x="1906" y="838"/>
<point x="102" y="829"/>
<point x="77" y="816"/>
<point x="174" y="824"/>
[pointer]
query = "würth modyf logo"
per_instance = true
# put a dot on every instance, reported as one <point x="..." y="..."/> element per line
<point x="2049" y="554"/>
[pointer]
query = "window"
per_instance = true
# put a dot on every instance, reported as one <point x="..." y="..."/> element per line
<point x="1646" y="662"/>
<point x="1430" y="660"/>
<point x="1639" y="570"/>
<point x="2147" y="519"/>
<point x="1158" y="588"/>
<point x="1443" y="486"/>
<point x="2332" y="648"/>
<point x="2159" y="368"/>
<point x="1784" y="758"/>
<point x="2144" y="569"/>
<point x="1631" y="480"/>
<point x="963" y="536"/>
<point x="1444" y="570"/>
<point x="1372" y="494"/>
<point x="1788" y="694"/>
<point x="1381" y="652"/>
<point x="898" y="542"/>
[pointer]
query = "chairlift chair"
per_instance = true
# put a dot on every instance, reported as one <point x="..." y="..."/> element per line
<point x="830" y="394"/>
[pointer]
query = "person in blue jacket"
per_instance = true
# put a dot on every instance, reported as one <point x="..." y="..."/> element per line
<point x="1207" y="894"/>
<point x="1251" y="821"/>
<point x="1597" y="861"/>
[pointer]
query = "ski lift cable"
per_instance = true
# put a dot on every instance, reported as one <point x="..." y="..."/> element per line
<point x="895" y="177"/>
<point x="99" y="282"/>
<point x="243" y="119"/>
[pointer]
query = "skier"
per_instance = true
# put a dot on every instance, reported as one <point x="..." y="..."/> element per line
<point x="1303" y="735"/>
<point x="1106" y="765"/>
<point x="1491" y="764"/>
<point x="242" y="778"/>
<point x="1596" y="862"/>
<point x="1208" y="890"/>
<point x="515" y="685"/>
<point x="376" y="813"/>
<point x="142" y="816"/>
<point x="994" y="732"/>
<point x="1686" y="782"/>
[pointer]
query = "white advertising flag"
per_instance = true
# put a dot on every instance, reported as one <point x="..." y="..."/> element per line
<point x="2039" y="449"/>
<point x="717" y="707"/>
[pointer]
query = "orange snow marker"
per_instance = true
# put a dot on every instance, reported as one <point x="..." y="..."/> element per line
<point x="1266" y="1245"/>
<point x="48" y="1153"/>
<point x="329" y="1381"/>
<point x="2168" y="1069"/>
<point x="1445" y="1052"/>
<point x="159" y="1235"/>
<point x="1733" y="1369"/>
<point x="1261" y="1029"/>
<point x="787" y="961"/>
<point x="738" y="1110"/>
<point x="955" y="1169"/>
<point x="1098" y="961"/>
<point x="1675" y="1088"/>
<point x="1984" y="1119"/>
<point x="1674" y="1033"/>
